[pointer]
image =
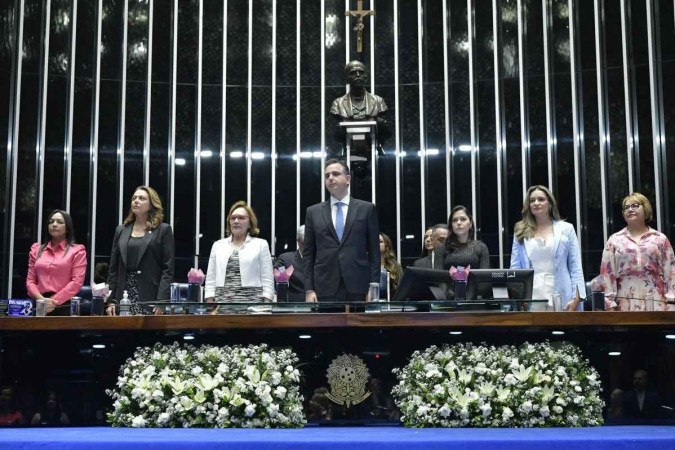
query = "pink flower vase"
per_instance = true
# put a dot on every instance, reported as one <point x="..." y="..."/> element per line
<point x="281" y="277"/>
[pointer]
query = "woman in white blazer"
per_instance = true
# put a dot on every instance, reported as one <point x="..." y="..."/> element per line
<point x="240" y="266"/>
<point x="545" y="243"/>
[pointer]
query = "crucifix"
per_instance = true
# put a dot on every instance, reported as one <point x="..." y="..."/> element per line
<point x="360" y="13"/>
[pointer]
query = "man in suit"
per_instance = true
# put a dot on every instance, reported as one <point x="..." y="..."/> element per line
<point x="342" y="244"/>
<point x="296" y="284"/>
<point x="641" y="403"/>
<point x="439" y="234"/>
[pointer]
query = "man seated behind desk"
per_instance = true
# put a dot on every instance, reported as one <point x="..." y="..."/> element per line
<point x="296" y="284"/>
<point x="439" y="234"/>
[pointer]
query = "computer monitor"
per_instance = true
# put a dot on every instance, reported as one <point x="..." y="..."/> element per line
<point x="488" y="284"/>
<point x="420" y="283"/>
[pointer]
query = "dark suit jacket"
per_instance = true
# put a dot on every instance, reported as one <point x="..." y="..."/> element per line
<point x="425" y="262"/>
<point x="651" y="407"/>
<point x="155" y="263"/>
<point x="356" y="259"/>
<point x="296" y="284"/>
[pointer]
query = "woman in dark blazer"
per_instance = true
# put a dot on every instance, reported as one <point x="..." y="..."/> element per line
<point x="142" y="257"/>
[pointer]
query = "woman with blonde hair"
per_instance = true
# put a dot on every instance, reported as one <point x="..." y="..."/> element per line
<point x="389" y="262"/>
<point x="637" y="262"/>
<point x="142" y="257"/>
<point x="240" y="266"/>
<point x="547" y="244"/>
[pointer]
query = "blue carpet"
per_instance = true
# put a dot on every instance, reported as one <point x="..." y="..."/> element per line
<point x="361" y="438"/>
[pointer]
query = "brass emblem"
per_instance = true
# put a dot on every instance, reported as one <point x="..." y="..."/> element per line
<point x="348" y="377"/>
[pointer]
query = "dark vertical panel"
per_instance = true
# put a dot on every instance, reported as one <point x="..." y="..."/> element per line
<point x="486" y="216"/>
<point x="643" y="100"/>
<point x="311" y="172"/>
<point x="212" y="90"/>
<point x="411" y="222"/>
<point x="459" y="105"/>
<point x="186" y="103"/>
<point x="434" y="112"/>
<point x="286" y="187"/>
<point x="57" y="106"/>
<point x="561" y="109"/>
<point x="25" y="227"/>
<point x="7" y="69"/>
<point x="617" y="174"/>
<point x="160" y="101"/>
<point x="109" y="124"/>
<point x="536" y="93"/>
<point x="591" y="235"/>
<point x="261" y="116"/>
<point x="335" y="43"/>
<point x="236" y="109"/>
<point x="137" y="67"/>
<point x="666" y="17"/>
<point x="384" y="86"/>
<point x="512" y="197"/>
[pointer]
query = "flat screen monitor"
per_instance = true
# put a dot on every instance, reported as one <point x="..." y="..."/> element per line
<point x="420" y="283"/>
<point x="489" y="284"/>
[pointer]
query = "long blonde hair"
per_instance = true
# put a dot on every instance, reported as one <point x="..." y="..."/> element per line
<point x="390" y="262"/>
<point x="524" y="229"/>
<point x="156" y="213"/>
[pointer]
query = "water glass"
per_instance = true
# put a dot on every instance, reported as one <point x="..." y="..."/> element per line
<point x="40" y="308"/>
<point x="374" y="291"/>
<point x="557" y="302"/>
<point x="649" y="304"/>
<point x="75" y="306"/>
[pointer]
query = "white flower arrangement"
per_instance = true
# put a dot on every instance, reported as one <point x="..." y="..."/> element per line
<point x="182" y="386"/>
<point x="464" y="385"/>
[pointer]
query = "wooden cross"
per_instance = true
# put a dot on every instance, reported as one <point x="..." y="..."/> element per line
<point x="360" y="13"/>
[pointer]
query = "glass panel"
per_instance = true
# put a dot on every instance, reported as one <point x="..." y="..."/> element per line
<point x="513" y="173"/>
<point x="7" y="46"/>
<point x="311" y="172"/>
<point x="384" y="86"/>
<point x="434" y="115"/>
<point x="184" y="206"/>
<point x="667" y="25"/>
<point x="261" y="117"/>
<point x="57" y="107"/>
<point x="561" y="105"/>
<point x="486" y="217"/>
<point x="137" y="67"/>
<point x="160" y="98"/>
<point x="411" y="222"/>
<point x="335" y="43"/>
<point x="286" y="187"/>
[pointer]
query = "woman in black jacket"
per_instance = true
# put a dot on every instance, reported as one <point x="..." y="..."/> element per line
<point x="142" y="257"/>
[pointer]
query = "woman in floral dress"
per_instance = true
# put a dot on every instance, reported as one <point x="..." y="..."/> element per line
<point x="638" y="262"/>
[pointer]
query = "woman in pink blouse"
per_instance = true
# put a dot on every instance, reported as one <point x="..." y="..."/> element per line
<point x="56" y="267"/>
<point x="638" y="262"/>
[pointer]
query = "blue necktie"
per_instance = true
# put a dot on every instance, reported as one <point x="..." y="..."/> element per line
<point x="339" y="221"/>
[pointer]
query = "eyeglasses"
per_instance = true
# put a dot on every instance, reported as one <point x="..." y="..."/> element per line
<point x="632" y="206"/>
<point x="239" y="218"/>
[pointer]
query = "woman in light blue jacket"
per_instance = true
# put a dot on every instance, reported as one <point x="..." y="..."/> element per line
<point x="545" y="243"/>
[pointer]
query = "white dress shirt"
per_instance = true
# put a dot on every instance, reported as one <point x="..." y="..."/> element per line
<point x="255" y="265"/>
<point x="333" y="208"/>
